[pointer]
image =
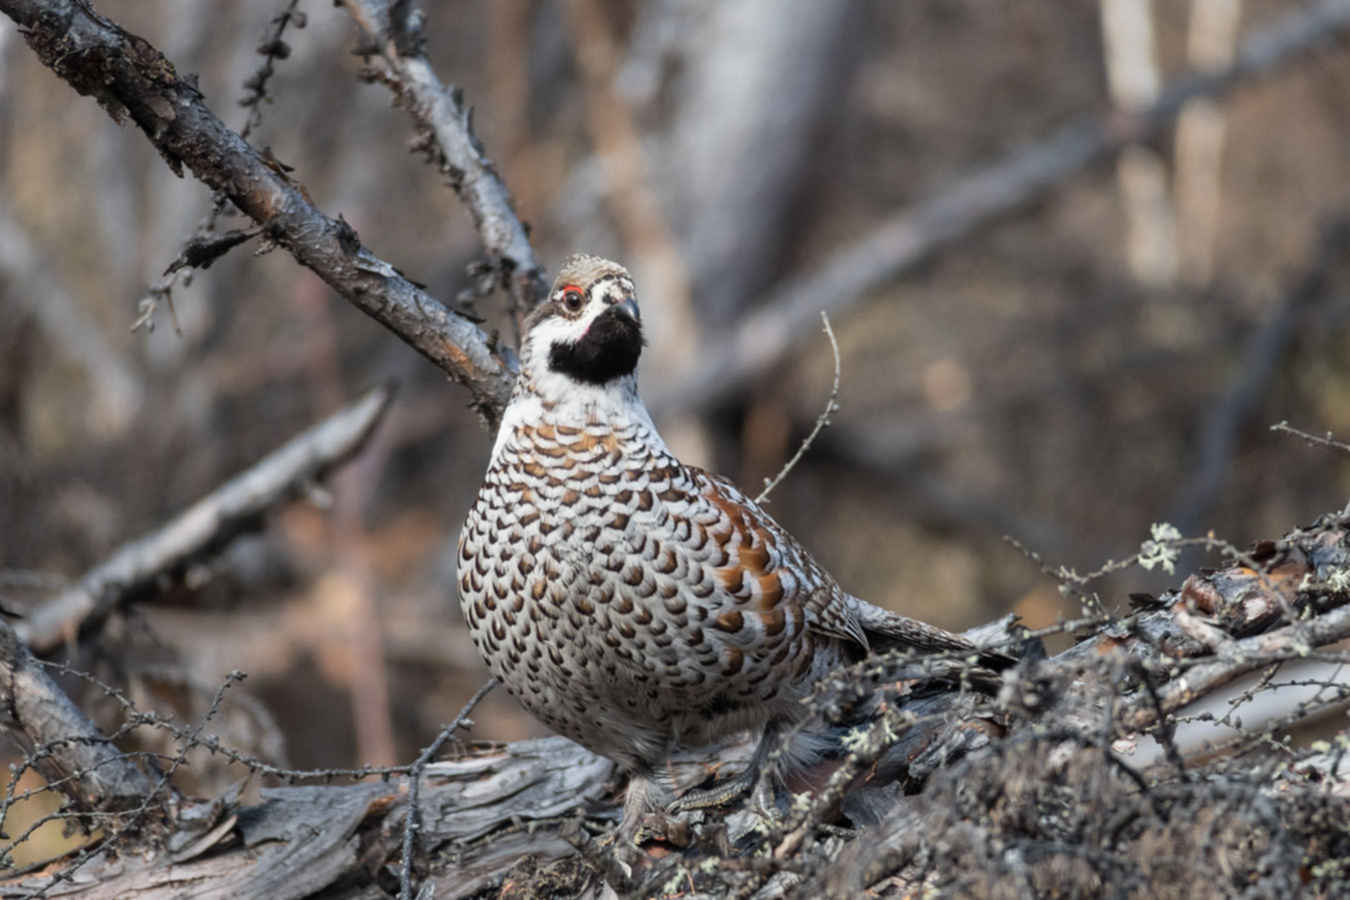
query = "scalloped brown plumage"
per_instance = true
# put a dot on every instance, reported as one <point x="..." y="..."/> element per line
<point x="631" y="602"/>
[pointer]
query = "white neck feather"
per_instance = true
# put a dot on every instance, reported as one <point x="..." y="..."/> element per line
<point x="554" y="398"/>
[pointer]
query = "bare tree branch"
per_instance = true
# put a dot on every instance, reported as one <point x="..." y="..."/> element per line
<point x="822" y="420"/>
<point x="447" y="125"/>
<point x="1323" y="440"/>
<point x="206" y="524"/>
<point x="914" y="235"/>
<point x="207" y="245"/>
<point x="69" y="750"/>
<point x="1237" y="658"/>
<point x="132" y="79"/>
<point x="412" y="822"/>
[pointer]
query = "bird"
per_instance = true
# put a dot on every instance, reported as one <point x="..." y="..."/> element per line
<point x="629" y="601"/>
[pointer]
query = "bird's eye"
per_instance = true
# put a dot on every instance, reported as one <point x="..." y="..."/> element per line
<point x="573" y="299"/>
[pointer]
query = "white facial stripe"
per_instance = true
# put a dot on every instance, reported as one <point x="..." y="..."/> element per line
<point x="559" y="329"/>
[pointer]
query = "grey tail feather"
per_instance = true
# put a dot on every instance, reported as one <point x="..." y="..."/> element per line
<point x="890" y="631"/>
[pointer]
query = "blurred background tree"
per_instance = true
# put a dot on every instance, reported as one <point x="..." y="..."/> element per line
<point x="1107" y="355"/>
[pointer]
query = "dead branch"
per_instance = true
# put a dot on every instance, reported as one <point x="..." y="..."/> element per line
<point x="131" y="79"/>
<point x="1321" y="440"/>
<point x="1234" y="659"/>
<point x="206" y="525"/>
<point x="447" y="135"/>
<point x="412" y="822"/>
<point x="915" y="235"/>
<point x="64" y="745"/>
<point x="822" y="420"/>
<point x="206" y="244"/>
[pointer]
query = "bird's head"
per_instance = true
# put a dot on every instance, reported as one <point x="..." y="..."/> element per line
<point x="588" y="333"/>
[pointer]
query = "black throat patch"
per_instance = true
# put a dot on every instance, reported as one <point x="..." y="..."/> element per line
<point x="609" y="349"/>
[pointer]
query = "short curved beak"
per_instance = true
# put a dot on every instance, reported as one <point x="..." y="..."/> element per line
<point x="629" y="307"/>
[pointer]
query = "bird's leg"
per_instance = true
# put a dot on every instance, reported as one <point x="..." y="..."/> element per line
<point x="635" y="807"/>
<point x="622" y="854"/>
<point x="719" y="794"/>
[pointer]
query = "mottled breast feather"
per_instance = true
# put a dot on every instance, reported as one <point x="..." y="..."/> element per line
<point x="631" y="602"/>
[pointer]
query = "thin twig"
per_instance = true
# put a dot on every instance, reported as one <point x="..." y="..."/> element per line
<point x="206" y="246"/>
<point x="212" y="744"/>
<point x="100" y="776"/>
<point x="1325" y="440"/>
<point x="411" y="824"/>
<point x="831" y="407"/>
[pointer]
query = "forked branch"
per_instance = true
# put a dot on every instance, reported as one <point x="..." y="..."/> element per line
<point x="132" y="80"/>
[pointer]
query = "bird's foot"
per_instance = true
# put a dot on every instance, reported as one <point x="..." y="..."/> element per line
<point x="646" y="817"/>
<point x="615" y="856"/>
<point x="652" y="826"/>
<point x="627" y="851"/>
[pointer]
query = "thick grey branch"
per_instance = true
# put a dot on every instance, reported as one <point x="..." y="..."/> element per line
<point x="70" y="750"/>
<point x="206" y="524"/>
<point x="131" y="78"/>
<point x="1238" y="658"/>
